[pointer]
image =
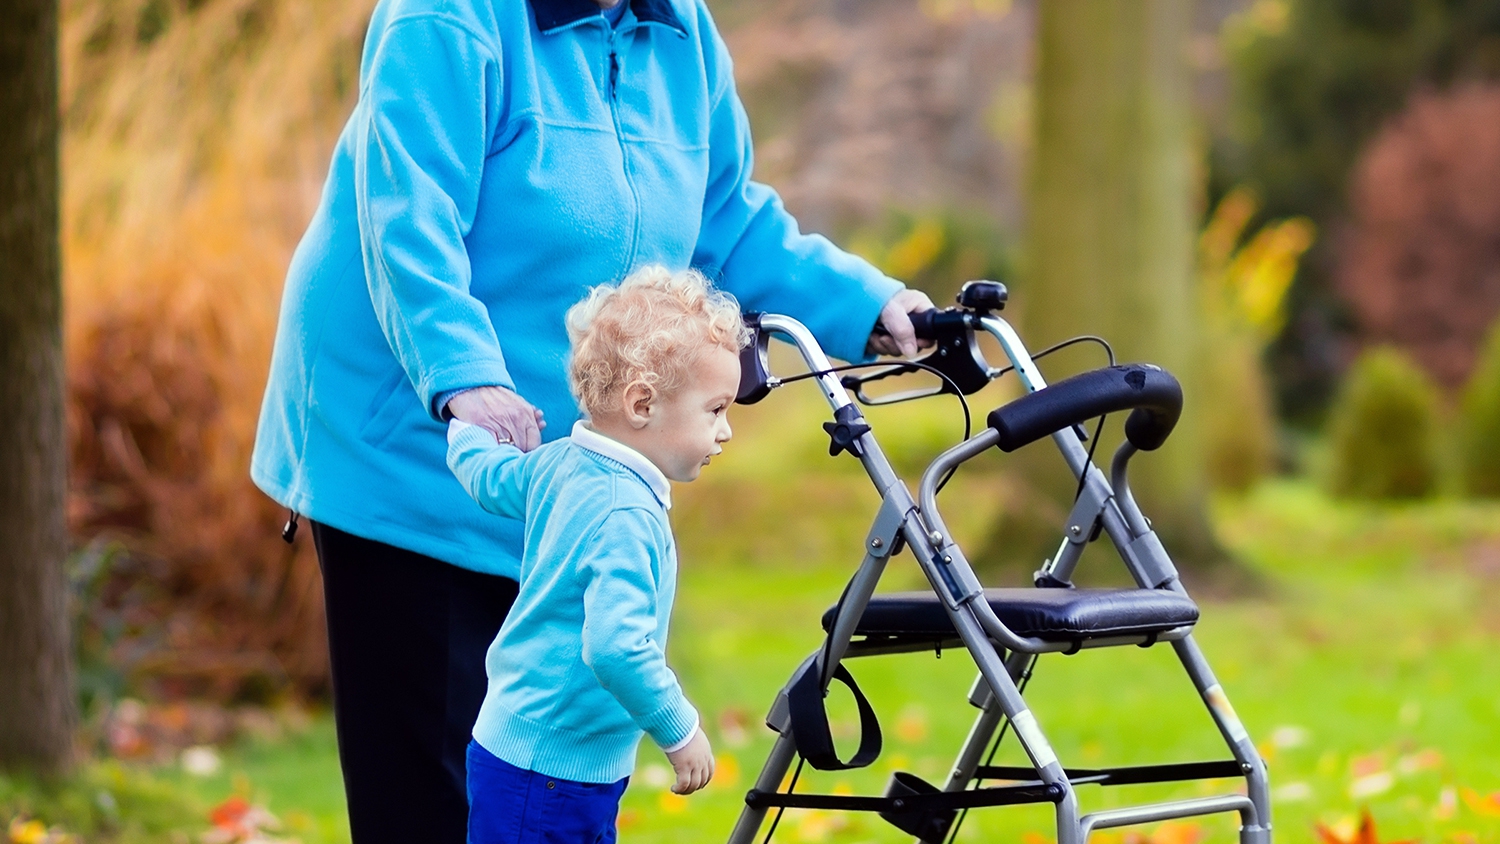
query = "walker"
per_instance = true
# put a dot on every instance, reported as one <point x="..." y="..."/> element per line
<point x="1004" y="630"/>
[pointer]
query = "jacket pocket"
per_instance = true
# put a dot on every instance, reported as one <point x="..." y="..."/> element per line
<point x="393" y="400"/>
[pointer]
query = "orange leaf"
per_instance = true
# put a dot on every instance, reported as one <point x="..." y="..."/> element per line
<point x="1481" y="804"/>
<point x="1365" y="834"/>
<point x="230" y="812"/>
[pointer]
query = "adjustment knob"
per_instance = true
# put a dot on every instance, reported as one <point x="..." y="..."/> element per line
<point x="983" y="296"/>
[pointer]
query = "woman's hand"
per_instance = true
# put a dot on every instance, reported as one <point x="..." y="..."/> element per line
<point x="898" y="337"/>
<point x="501" y="412"/>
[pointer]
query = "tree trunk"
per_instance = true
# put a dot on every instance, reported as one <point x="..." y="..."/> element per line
<point x="36" y="690"/>
<point x="1110" y="249"/>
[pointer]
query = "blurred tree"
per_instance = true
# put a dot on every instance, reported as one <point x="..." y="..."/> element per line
<point x="36" y="698"/>
<point x="1110" y="247"/>
<point x="1313" y="81"/>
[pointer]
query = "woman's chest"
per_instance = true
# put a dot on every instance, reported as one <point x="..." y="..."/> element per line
<point x="602" y="149"/>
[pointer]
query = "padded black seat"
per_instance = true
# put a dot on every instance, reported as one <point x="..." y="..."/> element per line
<point x="1053" y="615"/>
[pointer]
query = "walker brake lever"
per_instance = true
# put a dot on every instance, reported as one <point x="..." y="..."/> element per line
<point x="956" y="358"/>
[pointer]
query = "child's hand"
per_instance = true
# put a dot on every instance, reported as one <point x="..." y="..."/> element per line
<point x="693" y="764"/>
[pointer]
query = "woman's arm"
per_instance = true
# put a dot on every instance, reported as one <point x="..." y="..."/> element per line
<point x="766" y="261"/>
<point x="429" y="107"/>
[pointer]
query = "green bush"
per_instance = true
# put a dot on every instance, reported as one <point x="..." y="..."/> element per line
<point x="1480" y="422"/>
<point x="1384" y="429"/>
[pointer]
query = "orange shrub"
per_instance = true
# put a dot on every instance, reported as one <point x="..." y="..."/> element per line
<point x="196" y="140"/>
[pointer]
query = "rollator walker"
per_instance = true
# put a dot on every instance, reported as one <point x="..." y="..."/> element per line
<point x="1004" y="630"/>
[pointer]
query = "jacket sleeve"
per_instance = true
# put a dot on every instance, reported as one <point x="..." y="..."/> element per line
<point x="494" y="474"/>
<point x="622" y="570"/>
<point x="428" y="110"/>
<point x="753" y="245"/>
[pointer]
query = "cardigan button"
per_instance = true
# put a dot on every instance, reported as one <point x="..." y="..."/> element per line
<point x="551" y="784"/>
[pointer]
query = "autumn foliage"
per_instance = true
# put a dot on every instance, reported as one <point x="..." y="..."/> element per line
<point x="195" y="144"/>
<point x="1420" y="265"/>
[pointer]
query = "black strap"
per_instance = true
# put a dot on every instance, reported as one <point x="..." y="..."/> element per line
<point x="805" y="699"/>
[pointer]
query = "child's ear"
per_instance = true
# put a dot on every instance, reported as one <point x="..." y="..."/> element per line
<point x="638" y="403"/>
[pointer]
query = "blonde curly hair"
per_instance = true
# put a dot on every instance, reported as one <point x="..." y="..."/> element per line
<point x="654" y="326"/>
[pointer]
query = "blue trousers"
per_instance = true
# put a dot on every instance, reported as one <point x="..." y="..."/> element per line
<point x="510" y="805"/>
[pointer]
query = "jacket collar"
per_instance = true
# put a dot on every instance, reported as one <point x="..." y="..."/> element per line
<point x="587" y="438"/>
<point x="555" y="14"/>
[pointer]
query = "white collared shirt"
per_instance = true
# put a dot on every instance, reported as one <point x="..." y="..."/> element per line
<point x="588" y="438"/>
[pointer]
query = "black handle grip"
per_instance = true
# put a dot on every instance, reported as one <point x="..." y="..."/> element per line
<point x="924" y="323"/>
<point x="1151" y="392"/>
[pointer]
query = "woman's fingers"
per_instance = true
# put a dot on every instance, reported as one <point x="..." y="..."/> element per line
<point x="501" y="412"/>
<point x="524" y="430"/>
<point x="899" y="337"/>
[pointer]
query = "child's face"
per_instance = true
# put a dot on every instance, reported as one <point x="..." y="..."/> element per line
<point x="686" y="428"/>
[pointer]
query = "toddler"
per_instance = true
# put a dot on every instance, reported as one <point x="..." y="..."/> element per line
<point x="578" y="671"/>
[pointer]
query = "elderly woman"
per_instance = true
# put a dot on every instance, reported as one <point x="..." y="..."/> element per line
<point x="504" y="156"/>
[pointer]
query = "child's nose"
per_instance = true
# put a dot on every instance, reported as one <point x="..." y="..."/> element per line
<point x="724" y="432"/>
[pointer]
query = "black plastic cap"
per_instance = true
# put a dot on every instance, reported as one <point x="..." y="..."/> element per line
<point x="983" y="296"/>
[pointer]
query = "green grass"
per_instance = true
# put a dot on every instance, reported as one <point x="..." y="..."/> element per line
<point x="1367" y="670"/>
<point x="1372" y="654"/>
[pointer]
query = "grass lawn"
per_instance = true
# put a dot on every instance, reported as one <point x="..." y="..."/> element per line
<point x="1368" y="671"/>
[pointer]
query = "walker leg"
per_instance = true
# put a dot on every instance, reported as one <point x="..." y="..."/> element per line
<point x="771" y="776"/>
<point x="1258" y="787"/>
<point x="971" y="755"/>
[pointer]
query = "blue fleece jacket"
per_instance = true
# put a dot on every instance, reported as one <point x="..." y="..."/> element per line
<point x="579" y="668"/>
<point x="504" y="156"/>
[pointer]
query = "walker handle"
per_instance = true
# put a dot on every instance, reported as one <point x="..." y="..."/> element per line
<point x="1150" y="392"/>
<point x="924" y="323"/>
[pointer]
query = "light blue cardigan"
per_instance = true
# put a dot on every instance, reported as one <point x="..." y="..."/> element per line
<point x="503" y="157"/>
<point x="579" y="669"/>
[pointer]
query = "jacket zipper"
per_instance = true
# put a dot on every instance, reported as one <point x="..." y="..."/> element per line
<point x="614" y="109"/>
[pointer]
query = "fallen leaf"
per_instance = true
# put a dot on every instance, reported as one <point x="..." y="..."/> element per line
<point x="27" y="832"/>
<point x="200" y="761"/>
<point x="1365" y="833"/>
<point x="1447" y="804"/>
<point x="1288" y="736"/>
<point x="1371" y="784"/>
<point x="230" y="812"/>
<point x="1170" y="832"/>
<point x="671" y="803"/>
<point x="656" y="776"/>
<point x="734" y="727"/>
<point x="1292" y="792"/>
<point x="726" y="771"/>
<point x="911" y="724"/>
<point x="35" y="832"/>
<point x="1423" y="760"/>
<point x="1481" y="804"/>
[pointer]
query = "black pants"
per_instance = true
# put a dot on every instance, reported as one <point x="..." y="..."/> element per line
<point x="407" y="636"/>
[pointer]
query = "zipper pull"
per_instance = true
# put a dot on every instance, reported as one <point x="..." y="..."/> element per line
<point x="614" y="74"/>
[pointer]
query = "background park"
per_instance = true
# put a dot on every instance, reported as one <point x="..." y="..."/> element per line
<point x="1292" y="204"/>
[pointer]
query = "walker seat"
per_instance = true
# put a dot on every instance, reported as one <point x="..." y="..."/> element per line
<point x="1054" y="615"/>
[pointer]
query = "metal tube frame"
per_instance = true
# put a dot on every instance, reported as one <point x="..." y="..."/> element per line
<point x="987" y="639"/>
